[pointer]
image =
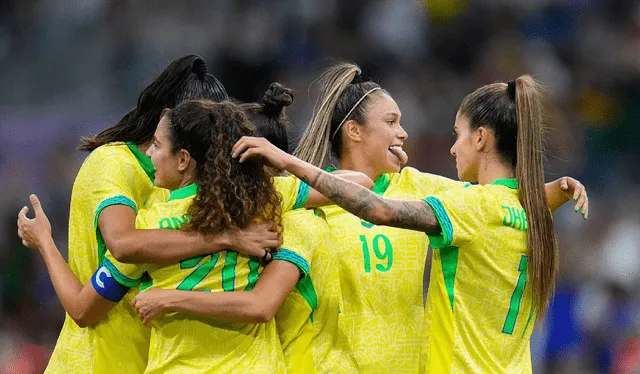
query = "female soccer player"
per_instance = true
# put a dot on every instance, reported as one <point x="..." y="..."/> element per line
<point x="210" y="193"/>
<point x="300" y="287"/>
<point x="360" y="123"/>
<point x="494" y="264"/>
<point x="114" y="182"/>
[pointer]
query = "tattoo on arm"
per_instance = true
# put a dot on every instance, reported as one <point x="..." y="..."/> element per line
<point x="408" y="214"/>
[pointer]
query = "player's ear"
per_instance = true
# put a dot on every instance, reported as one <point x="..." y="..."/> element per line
<point x="184" y="159"/>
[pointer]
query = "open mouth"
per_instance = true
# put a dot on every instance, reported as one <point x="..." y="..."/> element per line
<point x="399" y="153"/>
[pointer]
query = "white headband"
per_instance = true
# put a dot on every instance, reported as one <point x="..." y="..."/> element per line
<point x="352" y="109"/>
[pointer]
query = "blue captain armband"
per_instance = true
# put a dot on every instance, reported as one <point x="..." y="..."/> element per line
<point x="107" y="286"/>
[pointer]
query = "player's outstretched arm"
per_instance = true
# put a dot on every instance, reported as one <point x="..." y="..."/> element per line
<point x="256" y="306"/>
<point x="130" y="245"/>
<point x="83" y="304"/>
<point x="408" y="214"/>
<point x="316" y="199"/>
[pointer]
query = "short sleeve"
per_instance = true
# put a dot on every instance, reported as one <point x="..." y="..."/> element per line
<point x="294" y="192"/>
<point x="128" y="275"/>
<point x="459" y="212"/>
<point x="296" y="245"/>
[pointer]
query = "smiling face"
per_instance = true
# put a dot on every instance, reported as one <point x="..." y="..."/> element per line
<point x="464" y="149"/>
<point x="166" y="162"/>
<point x="382" y="136"/>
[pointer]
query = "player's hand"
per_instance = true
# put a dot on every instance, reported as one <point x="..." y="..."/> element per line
<point x="255" y="239"/>
<point x="574" y="190"/>
<point x="34" y="231"/>
<point x="250" y="148"/>
<point x="150" y="304"/>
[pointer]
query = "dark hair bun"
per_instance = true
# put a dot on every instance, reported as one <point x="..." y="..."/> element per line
<point x="199" y="67"/>
<point x="276" y="98"/>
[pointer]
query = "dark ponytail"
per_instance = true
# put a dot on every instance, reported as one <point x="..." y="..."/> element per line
<point x="184" y="79"/>
<point x="269" y="117"/>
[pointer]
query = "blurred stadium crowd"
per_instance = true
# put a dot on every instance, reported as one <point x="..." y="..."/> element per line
<point x="71" y="69"/>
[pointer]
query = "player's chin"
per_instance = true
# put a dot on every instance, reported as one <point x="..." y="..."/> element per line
<point x="393" y="165"/>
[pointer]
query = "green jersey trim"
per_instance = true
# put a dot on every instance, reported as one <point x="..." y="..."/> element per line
<point x="507" y="182"/>
<point x="302" y="196"/>
<point x="145" y="282"/>
<point x="288" y="255"/>
<point x="304" y="285"/>
<point x="381" y="184"/>
<point x="445" y="238"/>
<point x="143" y="160"/>
<point x="116" y="200"/>
<point x="118" y="276"/>
<point x="449" y="262"/>
<point x="184" y="192"/>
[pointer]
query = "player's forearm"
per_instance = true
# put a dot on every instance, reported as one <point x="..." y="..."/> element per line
<point x="65" y="282"/>
<point x="228" y="306"/>
<point x="555" y="196"/>
<point x="316" y="199"/>
<point x="413" y="215"/>
<point x="165" y="247"/>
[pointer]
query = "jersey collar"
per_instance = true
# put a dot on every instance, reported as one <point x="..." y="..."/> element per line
<point x="507" y="182"/>
<point x="379" y="186"/>
<point x="184" y="192"/>
<point x="143" y="160"/>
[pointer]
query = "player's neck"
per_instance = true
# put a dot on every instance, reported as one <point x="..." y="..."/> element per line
<point x="357" y="162"/>
<point x="492" y="169"/>
<point x="187" y="180"/>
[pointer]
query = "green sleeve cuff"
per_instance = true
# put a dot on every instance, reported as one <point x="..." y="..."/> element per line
<point x="304" y="285"/>
<point x="444" y="239"/>
<point x="290" y="256"/>
<point x="116" y="200"/>
<point x="302" y="196"/>
<point x="118" y="276"/>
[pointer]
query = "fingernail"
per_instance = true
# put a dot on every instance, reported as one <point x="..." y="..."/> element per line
<point x="577" y="208"/>
<point x="584" y="211"/>
<point x="586" y="217"/>
<point x="575" y="197"/>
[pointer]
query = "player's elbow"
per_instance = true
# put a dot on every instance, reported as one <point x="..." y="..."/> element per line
<point x="262" y="312"/>
<point x="82" y="318"/>
<point x="122" y="251"/>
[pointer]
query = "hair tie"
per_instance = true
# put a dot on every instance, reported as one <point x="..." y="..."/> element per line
<point x="352" y="109"/>
<point x="511" y="89"/>
<point x="199" y="68"/>
<point x="357" y="79"/>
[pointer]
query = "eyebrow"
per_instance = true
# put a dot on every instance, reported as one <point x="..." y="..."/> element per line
<point x="394" y="114"/>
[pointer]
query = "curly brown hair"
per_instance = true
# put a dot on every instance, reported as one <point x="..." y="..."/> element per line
<point x="230" y="194"/>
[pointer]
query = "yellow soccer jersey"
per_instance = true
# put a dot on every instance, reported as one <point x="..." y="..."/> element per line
<point x="381" y="273"/>
<point x="182" y="343"/>
<point x="112" y="174"/>
<point x="294" y="192"/>
<point x="307" y="322"/>
<point x="478" y="316"/>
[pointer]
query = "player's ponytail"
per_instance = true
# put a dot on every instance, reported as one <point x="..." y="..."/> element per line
<point x="343" y="96"/>
<point x="543" y="250"/>
<point x="269" y="117"/>
<point x="184" y="79"/>
<point x="515" y="112"/>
